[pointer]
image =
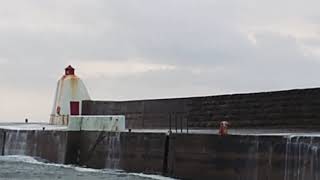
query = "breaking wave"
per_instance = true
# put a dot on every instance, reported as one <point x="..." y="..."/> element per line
<point x="39" y="161"/>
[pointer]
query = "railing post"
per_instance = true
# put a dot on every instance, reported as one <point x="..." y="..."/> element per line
<point x="170" y="129"/>
<point x="181" y="125"/>
<point x="176" y="122"/>
<point x="187" y="125"/>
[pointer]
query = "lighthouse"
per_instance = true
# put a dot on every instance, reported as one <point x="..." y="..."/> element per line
<point x="70" y="93"/>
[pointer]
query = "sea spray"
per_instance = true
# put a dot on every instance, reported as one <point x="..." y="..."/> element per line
<point x="251" y="165"/>
<point x="287" y="152"/>
<point x="16" y="143"/>
<point x="301" y="158"/>
<point x="31" y="168"/>
<point x="35" y="145"/>
<point x="114" y="150"/>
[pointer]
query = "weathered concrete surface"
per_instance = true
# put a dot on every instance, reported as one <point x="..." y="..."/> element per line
<point x="147" y="114"/>
<point x="283" y="109"/>
<point x="96" y="123"/>
<point x="49" y="145"/>
<point x="2" y="140"/>
<point x="133" y="152"/>
<point x="185" y="156"/>
<point x="243" y="157"/>
<point x="72" y="148"/>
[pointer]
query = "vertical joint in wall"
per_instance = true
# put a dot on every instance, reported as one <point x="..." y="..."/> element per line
<point x="3" y="143"/>
<point x="165" y="158"/>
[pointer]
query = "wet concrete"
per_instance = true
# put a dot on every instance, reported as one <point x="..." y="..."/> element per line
<point x="32" y="126"/>
<point x="49" y="145"/>
<point x="133" y="152"/>
<point x="279" y="155"/>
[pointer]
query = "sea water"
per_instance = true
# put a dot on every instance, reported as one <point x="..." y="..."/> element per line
<point x="25" y="167"/>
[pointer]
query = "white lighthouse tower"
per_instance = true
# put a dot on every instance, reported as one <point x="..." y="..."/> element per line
<point x="70" y="93"/>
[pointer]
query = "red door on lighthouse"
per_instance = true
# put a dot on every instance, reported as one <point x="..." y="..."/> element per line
<point x="74" y="108"/>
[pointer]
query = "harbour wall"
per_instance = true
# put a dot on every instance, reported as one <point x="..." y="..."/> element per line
<point x="185" y="156"/>
<point x="132" y="152"/>
<point x="52" y="146"/>
<point x="243" y="157"/>
<point x="281" y="109"/>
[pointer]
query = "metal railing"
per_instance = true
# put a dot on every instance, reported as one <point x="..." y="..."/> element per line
<point x="178" y="122"/>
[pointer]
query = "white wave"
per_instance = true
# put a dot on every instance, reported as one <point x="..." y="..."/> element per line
<point x="20" y="158"/>
<point x="81" y="169"/>
<point x="156" y="177"/>
<point x="34" y="160"/>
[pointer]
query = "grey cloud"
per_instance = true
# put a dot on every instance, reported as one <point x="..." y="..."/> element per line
<point x="205" y="40"/>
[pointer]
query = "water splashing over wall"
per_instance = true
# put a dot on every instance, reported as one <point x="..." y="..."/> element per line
<point x="114" y="151"/>
<point x="44" y="144"/>
<point x="302" y="158"/>
<point x="16" y="143"/>
<point x="252" y="160"/>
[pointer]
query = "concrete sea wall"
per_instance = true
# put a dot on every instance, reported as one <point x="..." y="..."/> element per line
<point x="244" y="157"/>
<point x="185" y="156"/>
<point x="293" y="108"/>
<point x="98" y="123"/>
<point x="150" y="114"/>
<point x="196" y="156"/>
<point x="49" y="145"/>
<point x="133" y="152"/>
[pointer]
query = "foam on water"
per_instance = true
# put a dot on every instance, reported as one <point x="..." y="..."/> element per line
<point x="152" y="176"/>
<point x="20" y="158"/>
<point x="38" y="161"/>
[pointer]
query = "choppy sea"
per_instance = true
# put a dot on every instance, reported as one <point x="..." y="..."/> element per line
<point x="25" y="167"/>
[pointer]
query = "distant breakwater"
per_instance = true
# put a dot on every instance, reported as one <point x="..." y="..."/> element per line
<point x="185" y="156"/>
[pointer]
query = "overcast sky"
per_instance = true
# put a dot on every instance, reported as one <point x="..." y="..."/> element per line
<point x="134" y="49"/>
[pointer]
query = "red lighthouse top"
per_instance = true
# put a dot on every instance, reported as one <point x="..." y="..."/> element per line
<point x="69" y="70"/>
